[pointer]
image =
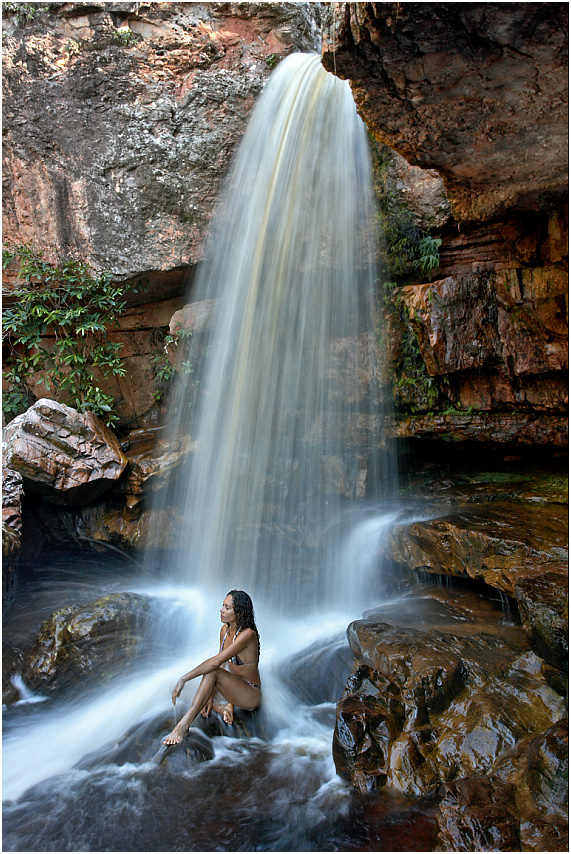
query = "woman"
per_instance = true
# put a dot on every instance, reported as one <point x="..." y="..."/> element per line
<point x="239" y="685"/>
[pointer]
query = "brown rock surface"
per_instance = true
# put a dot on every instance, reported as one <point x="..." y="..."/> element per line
<point x="68" y="457"/>
<point x="441" y="690"/>
<point x="124" y="519"/>
<point x="88" y="642"/>
<point x="521" y="805"/>
<point x="499" y="543"/>
<point x="476" y="91"/>
<point x="12" y="494"/>
<point x="120" y="121"/>
<point x="497" y="427"/>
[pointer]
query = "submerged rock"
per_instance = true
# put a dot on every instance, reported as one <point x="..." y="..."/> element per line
<point x="68" y="457"/>
<point x="86" y="645"/>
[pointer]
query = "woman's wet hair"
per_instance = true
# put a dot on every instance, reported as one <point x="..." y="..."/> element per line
<point x="244" y="612"/>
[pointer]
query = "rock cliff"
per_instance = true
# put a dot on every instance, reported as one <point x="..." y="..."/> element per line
<point x="476" y="91"/>
<point x="477" y="94"/>
<point x="120" y="120"/>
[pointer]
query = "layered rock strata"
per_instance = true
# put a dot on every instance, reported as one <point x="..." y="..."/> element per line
<point x="68" y="457"/>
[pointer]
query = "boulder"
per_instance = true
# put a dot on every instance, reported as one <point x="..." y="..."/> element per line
<point x="85" y="645"/>
<point x="69" y="458"/>
<point x="442" y="688"/>
<point x="126" y="519"/>
<point x="522" y="805"/>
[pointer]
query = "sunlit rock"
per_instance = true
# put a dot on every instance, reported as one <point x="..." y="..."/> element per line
<point x="85" y="645"/>
<point x="496" y="542"/>
<point x="68" y="457"/>
<point x="120" y="125"/>
<point x="441" y="690"/>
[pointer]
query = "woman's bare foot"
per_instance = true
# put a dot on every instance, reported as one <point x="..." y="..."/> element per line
<point x="176" y="736"/>
<point x="226" y="710"/>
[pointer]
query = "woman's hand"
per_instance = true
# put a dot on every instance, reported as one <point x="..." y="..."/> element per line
<point x="207" y="708"/>
<point x="177" y="689"/>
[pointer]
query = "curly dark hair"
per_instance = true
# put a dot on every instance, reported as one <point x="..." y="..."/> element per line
<point x="244" y="611"/>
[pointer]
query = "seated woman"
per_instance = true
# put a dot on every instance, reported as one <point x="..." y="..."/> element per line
<point x="239" y="685"/>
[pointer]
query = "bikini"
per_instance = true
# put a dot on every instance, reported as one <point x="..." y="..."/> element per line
<point x="238" y="661"/>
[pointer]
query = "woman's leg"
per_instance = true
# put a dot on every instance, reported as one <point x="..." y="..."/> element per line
<point x="234" y="689"/>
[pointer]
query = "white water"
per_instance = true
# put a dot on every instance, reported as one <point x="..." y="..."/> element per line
<point x="282" y="397"/>
<point x="289" y="386"/>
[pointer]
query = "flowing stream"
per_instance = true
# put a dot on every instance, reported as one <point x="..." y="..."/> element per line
<point x="280" y="389"/>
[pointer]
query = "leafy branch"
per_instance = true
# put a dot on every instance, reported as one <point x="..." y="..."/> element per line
<point x="55" y="327"/>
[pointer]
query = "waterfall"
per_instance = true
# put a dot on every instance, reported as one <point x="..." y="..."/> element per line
<point x="282" y="386"/>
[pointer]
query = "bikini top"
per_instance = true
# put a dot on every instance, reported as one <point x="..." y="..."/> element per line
<point x="236" y="659"/>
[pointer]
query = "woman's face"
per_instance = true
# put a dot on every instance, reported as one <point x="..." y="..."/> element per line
<point x="227" y="611"/>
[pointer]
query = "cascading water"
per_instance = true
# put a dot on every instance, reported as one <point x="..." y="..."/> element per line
<point x="282" y="399"/>
<point x="289" y="387"/>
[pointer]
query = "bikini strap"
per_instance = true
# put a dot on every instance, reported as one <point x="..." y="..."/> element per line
<point x="224" y="638"/>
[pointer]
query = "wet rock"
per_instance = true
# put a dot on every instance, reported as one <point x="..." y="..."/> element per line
<point x="143" y="743"/>
<point x="478" y="815"/>
<point x="521" y="805"/>
<point x="68" y="457"/>
<point x="542" y="598"/>
<point x="497" y="543"/>
<point x="319" y="674"/>
<point x="12" y="494"/>
<point x="11" y="665"/>
<point x="423" y="79"/>
<point x="442" y="688"/>
<point x="497" y="427"/>
<point x="86" y="645"/>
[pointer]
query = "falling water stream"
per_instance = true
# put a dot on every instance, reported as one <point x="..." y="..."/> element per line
<point x="281" y="394"/>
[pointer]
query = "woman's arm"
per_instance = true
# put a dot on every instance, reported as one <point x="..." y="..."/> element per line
<point x="215" y="662"/>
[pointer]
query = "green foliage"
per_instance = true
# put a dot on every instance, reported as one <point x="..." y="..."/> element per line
<point x="407" y="248"/>
<point x="125" y="37"/>
<point x="271" y="60"/>
<point x="414" y="390"/>
<point x="164" y="368"/>
<point x="429" y="255"/>
<point x="24" y="13"/>
<point x="78" y="308"/>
